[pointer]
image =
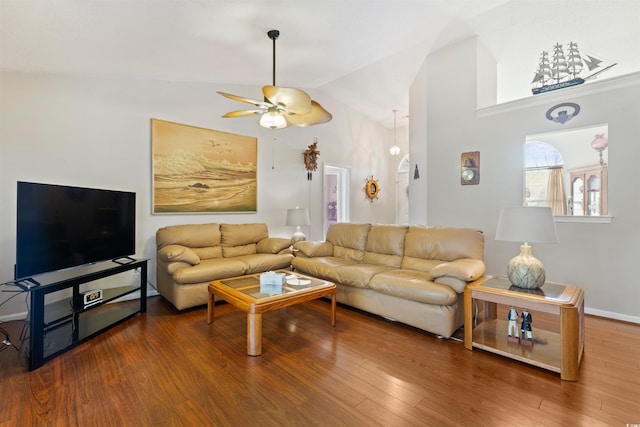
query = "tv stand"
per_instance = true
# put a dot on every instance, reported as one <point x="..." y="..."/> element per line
<point x="59" y="322"/>
<point x="123" y="260"/>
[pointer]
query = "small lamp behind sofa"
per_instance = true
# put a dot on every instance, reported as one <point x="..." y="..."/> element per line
<point x="297" y="217"/>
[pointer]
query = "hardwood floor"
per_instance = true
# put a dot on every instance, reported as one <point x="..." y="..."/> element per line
<point x="169" y="368"/>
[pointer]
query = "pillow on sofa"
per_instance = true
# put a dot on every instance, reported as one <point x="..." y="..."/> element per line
<point x="178" y="253"/>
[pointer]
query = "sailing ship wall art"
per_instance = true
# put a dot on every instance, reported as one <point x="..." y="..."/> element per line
<point x="565" y="69"/>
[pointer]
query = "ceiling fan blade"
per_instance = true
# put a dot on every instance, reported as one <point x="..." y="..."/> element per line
<point x="317" y="116"/>
<point x="247" y="100"/>
<point x="291" y="100"/>
<point x="243" y="113"/>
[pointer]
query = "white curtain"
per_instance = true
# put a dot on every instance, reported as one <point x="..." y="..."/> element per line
<point x="555" y="192"/>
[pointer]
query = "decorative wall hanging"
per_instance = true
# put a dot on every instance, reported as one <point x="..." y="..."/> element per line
<point x="564" y="112"/>
<point x="197" y="170"/>
<point x="371" y="188"/>
<point x="566" y="69"/>
<point x="470" y="168"/>
<point x="311" y="158"/>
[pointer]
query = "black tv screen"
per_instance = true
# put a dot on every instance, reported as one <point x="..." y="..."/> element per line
<point x="59" y="227"/>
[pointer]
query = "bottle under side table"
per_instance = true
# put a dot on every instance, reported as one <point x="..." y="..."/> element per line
<point x="556" y="351"/>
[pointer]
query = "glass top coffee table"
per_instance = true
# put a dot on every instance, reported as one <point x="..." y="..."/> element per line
<point x="246" y="294"/>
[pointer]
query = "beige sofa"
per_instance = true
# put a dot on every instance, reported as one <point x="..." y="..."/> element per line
<point x="191" y="256"/>
<point x="412" y="274"/>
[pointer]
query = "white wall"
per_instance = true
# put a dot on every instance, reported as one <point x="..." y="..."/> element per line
<point x="600" y="258"/>
<point x="95" y="132"/>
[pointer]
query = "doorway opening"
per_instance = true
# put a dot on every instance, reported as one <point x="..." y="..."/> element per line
<point x="402" y="192"/>
<point x="336" y="196"/>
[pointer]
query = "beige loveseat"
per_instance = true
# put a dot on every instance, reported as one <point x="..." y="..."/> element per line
<point x="412" y="274"/>
<point x="191" y="256"/>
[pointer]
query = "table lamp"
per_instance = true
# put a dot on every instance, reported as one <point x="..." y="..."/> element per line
<point x="297" y="217"/>
<point x="528" y="225"/>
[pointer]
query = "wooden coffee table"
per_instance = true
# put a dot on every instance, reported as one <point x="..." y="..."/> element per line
<point x="245" y="293"/>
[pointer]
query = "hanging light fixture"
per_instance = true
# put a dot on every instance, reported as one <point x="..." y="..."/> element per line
<point x="395" y="150"/>
<point x="282" y="106"/>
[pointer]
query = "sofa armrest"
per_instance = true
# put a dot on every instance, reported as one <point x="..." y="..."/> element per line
<point x="272" y="245"/>
<point x="314" y="249"/>
<point x="466" y="269"/>
<point x="178" y="253"/>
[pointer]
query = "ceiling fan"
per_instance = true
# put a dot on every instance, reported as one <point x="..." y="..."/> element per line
<point x="282" y="106"/>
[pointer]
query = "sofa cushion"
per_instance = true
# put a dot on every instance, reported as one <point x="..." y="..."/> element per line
<point x="208" y="270"/>
<point x="413" y="285"/>
<point x="242" y="234"/>
<point x="444" y="243"/>
<point x="419" y="264"/>
<point x="178" y="253"/>
<point x="235" y="251"/>
<point x="349" y="240"/>
<point x="272" y="245"/>
<point x="358" y="275"/>
<point x="385" y="245"/>
<point x="314" y="249"/>
<point x="454" y="283"/>
<point x="464" y="269"/>
<point x="191" y="235"/>
<point x="321" y="267"/>
<point x="210" y="252"/>
<point x="258" y="263"/>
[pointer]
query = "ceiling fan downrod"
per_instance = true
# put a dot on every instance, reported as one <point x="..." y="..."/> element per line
<point x="273" y="35"/>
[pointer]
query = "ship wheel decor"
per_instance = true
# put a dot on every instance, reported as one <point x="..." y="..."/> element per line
<point x="281" y="106"/>
<point x="371" y="188"/>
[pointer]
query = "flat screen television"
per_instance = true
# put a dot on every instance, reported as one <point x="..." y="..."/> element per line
<point x="59" y="227"/>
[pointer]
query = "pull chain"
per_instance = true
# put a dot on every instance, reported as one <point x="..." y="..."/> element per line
<point x="273" y="150"/>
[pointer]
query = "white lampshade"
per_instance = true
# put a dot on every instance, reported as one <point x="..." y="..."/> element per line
<point x="528" y="225"/>
<point x="273" y="120"/>
<point x="298" y="217"/>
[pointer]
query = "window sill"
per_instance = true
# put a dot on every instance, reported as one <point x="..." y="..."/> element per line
<point x="603" y="219"/>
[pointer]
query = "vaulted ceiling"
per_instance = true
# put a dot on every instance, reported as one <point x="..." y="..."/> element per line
<point x="363" y="52"/>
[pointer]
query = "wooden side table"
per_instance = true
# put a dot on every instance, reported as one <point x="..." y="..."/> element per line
<point x="559" y="352"/>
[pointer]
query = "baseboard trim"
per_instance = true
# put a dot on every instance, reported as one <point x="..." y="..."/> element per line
<point x="610" y="315"/>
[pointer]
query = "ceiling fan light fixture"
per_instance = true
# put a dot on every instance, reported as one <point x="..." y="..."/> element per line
<point x="273" y="120"/>
<point x="282" y="106"/>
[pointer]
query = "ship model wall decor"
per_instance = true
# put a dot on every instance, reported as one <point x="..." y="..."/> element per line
<point x="565" y="69"/>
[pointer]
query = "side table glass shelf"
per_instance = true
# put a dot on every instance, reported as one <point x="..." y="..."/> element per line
<point x="558" y="350"/>
<point x="59" y="318"/>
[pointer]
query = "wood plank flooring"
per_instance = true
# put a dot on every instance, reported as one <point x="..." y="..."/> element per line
<point x="166" y="368"/>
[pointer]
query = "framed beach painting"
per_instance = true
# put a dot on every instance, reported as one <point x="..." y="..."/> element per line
<point x="198" y="170"/>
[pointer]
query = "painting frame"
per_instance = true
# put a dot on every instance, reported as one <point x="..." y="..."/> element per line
<point x="202" y="171"/>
